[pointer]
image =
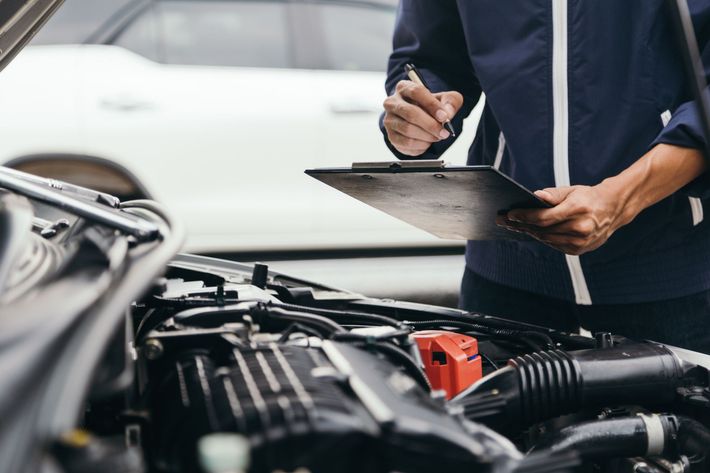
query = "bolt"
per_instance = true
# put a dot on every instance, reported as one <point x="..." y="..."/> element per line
<point x="153" y="349"/>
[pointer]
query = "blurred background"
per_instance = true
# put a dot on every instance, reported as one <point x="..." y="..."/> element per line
<point x="215" y="108"/>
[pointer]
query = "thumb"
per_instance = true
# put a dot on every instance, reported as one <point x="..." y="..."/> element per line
<point x="554" y="195"/>
<point x="452" y="102"/>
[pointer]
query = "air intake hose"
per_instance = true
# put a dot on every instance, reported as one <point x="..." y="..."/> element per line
<point x="543" y="385"/>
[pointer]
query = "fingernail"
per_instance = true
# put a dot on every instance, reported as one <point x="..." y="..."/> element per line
<point x="443" y="134"/>
<point x="441" y="115"/>
<point x="450" y="109"/>
<point x="543" y="195"/>
<point x="513" y="218"/>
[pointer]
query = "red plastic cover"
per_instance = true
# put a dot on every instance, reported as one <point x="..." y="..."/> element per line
<point x="451" y="360"/>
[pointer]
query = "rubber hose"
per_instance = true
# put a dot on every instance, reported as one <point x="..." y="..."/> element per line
<point x="615" y="438"/>
<point x="540" y="386"/>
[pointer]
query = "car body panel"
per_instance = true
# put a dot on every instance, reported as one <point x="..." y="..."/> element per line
<point x="219" y="145"/>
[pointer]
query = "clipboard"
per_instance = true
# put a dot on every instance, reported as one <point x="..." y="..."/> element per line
<point x="450" y="202"/>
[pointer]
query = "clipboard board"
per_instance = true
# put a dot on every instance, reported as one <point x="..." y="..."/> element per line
<point x="450" y="202"/>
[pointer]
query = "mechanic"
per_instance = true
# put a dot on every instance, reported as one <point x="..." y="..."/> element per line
<point x="585" y="101"/>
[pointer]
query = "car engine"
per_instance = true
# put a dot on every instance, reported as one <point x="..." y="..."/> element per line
<point x="240" y="369"/>
<point x="222" y="367"/>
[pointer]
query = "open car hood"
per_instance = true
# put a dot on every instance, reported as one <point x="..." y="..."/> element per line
<point x="19" y="21"/>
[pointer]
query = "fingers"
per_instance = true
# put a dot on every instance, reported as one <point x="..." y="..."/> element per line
<point x="414" y="115"/>
<point x="554" y="195"/>
<point x="406" y="145"/>
<point x="564" y="208"/>
<point x="541" y="217"/>
<point x="451" y="101"/>
<point x="581" y="227"/>
<point x="396" y="123"/>
<point x="573" y="237"/>
<point x="568" y="242"/>
<point x="419" y="95"/>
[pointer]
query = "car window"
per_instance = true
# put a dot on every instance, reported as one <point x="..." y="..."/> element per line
<point x="221" y="33"/>
<point x="76" y="20"/>
<point x="357" y="38"/>
<point x="141" y="35"/>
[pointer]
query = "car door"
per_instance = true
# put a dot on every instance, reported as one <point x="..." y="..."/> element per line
<point x="200" y="99"/>
<point x="355" y="39"/>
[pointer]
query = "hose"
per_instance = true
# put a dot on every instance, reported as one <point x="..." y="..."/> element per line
<point x="694" y="440"/>
<point x="539" y="386"/>
<point x="637" y="436"/>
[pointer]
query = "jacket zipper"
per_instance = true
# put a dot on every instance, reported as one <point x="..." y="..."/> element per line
<point x="560" y="99"/>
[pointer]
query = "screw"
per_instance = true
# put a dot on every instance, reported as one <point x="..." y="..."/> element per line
<point x="153" y="349"/>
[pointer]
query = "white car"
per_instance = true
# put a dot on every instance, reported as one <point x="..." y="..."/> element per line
<point x="215" y="108"/>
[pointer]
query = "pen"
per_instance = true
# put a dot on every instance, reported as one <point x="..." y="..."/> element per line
<point x="417" y="78"/>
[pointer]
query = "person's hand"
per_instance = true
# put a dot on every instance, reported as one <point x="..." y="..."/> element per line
<point x="582" y="219"/>
<point x="414" y="117"/>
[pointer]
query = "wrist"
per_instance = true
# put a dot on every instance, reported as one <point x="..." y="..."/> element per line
<point x="625" y="197"/>
<point x="659" y="173"/>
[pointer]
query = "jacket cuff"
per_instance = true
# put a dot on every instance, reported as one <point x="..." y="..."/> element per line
<point x="685" y="129"/>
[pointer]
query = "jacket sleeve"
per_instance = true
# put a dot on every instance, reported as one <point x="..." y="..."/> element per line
<point x="686" y="127"/>
<point x="429" y="34"/>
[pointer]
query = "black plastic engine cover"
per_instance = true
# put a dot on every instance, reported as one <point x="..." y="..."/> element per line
<point x="335" y="408"/>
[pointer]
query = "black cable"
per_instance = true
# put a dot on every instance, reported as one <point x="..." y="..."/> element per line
<point x="502" y="333"/>
<point x="359" y="316"/>
<point x="405" y="360"/>
<point x="546" y="339"/>
<point x="451" y="323"/>
<point x="489" y="360"/>
<point x="213" y="316"/>
<point x="295" y="328"/>
<point x="323" y="324"/>
<point x="349" y="336"/>
<point x="570" y="341"/>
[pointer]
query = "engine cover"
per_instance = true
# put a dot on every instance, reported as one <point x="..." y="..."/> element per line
<point x="317" y="407"/>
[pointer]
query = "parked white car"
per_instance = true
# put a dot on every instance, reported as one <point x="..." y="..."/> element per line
<point x="215" y="108"/>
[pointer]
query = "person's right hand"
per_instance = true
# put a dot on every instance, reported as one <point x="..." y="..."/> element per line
<point x="414" y="117"/>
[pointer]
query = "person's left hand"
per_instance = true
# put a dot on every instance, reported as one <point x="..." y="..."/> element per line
<point x="582" y="219"/>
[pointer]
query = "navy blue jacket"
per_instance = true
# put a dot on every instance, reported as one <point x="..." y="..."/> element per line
<point x="576" y="91"/>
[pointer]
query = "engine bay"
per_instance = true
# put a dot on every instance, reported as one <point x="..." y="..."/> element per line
<point x="239" y="369"/>
<point x="222" y="367"/>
